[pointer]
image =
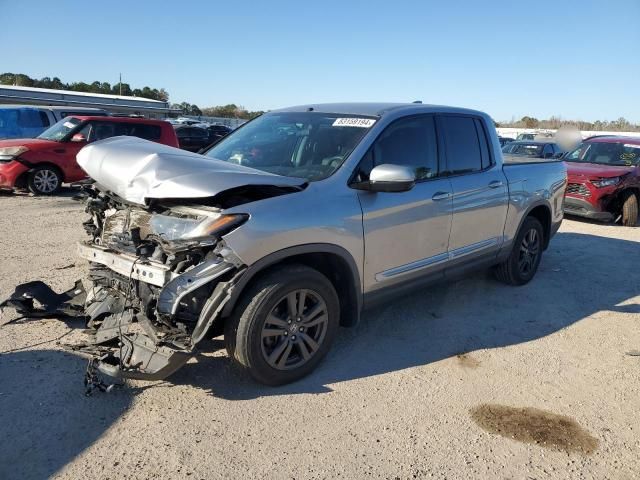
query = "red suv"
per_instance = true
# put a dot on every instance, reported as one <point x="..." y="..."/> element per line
<point x="41" y="164"/>
<point x="604" y="179"/>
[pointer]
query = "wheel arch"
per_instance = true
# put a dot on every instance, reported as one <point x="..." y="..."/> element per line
<point x="21" y="181"/>
<point x="542" y="212"/>
<point x="333" y="261"/>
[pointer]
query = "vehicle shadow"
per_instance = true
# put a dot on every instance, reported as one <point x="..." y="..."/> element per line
<point x="45" y="419"/>
<point x="577" y="278"/>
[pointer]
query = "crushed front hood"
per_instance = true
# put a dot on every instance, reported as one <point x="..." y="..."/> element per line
<point x="137" y="170"/>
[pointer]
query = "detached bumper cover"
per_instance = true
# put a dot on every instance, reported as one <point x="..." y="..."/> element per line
<point x="582" y="208"/>
<point x="123" y="342"/>
<point x="10" y="172"/>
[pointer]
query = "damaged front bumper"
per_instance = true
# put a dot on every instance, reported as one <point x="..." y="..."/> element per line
<point x="137" y="309"/>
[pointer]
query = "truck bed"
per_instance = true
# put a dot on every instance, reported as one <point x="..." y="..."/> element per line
<point x="520" y="160"/>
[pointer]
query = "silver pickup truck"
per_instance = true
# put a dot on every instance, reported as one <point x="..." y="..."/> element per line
<point x="288" y="228"/>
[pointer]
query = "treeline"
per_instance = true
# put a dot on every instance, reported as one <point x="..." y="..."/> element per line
<point x="226" y="111"/>
<point x="619" y="125"/>
<point x="23" y="80"/>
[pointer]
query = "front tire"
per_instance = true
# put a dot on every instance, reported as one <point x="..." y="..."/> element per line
<point x="44" y="180"/>
<point x="284" y="325"/>
<point x="630" y="210"/>
<point x="522" y="264"/>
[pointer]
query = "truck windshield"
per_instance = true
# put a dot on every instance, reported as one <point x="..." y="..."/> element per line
<point x="618" y="153"/>
<point x="60" y="130"/>
<point x="310" y="145"/>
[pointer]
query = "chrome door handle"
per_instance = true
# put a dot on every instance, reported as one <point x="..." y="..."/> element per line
<point x="440" y="196"/>
<point x="495" y="184"/>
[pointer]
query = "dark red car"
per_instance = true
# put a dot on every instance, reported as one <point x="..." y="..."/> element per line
<point x="604" y="179"/>
<point x="41" y="164"/>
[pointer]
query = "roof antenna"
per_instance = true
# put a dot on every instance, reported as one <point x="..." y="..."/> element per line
<point x="417" y="101"/>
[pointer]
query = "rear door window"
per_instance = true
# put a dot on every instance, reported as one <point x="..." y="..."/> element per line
<point x="148" y="132"/>
<point x="100" y="130"/>
<point x="462" y="144"/>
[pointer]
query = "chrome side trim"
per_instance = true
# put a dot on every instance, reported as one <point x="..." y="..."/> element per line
<point x="440" y="258"/>
<point x="409" y="267"/>
<point x="474" y="247"/>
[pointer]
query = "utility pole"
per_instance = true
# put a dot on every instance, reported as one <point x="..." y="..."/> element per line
<point x="120" y="84"/>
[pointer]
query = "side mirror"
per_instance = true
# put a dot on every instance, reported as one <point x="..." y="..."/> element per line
<point x="389" y="178"/>
<point x="78" y="137"/>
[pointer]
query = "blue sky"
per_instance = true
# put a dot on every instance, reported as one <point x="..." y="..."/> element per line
<point x="576" y="59"/>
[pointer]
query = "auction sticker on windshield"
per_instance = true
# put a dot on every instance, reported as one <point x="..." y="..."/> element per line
<point x="354" y="122"/>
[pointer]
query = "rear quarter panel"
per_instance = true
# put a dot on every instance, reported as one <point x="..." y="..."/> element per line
<point x="532" y="184"/>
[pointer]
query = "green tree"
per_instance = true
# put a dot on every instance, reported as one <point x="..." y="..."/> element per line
<point x="23" y="80"/>
<point x="529" y="122"/>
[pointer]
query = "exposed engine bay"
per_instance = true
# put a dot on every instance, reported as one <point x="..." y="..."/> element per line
<point x="159" y="270"/>
<point x="152" y="271"/>
<point x="159" y="277"/>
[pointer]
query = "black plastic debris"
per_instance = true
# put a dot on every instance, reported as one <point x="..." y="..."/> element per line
<point x="38" y="300"/>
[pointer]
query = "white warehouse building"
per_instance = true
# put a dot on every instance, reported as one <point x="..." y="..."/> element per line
<point x="115" y="104"/>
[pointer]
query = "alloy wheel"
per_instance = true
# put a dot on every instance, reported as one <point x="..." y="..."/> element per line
<point x="45" y="181"/>
<point x="529" y="252"/>
<point x="294" y="329"/>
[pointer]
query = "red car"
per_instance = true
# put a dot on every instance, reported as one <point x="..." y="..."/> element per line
<point x="41" y="164"/>
<point x="604" y="180"/>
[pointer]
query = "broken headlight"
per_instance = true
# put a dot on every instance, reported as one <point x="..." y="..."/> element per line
<point x="180" y="228"/>
<point x="606" y="182"/>
<point x="9" y="153"/>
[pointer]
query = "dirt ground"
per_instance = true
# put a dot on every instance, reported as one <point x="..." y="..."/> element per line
<point x="467" y="380"/>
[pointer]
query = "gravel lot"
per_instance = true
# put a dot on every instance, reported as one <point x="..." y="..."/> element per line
<point x="416" y="390"/>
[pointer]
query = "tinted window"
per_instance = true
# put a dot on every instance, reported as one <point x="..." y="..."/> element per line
<point x="94" y="131"/>
<point x="29" y="118"/>
<point x="462" y="144"/>
<point x="148" y="132"/>
<point x="183" y="132"/>
<point x="199" y="133"/>
<point x="484" y="144"/>
<point x="411" y="142"/>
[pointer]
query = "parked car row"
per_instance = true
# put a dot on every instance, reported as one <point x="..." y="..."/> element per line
<point x="604" y="181"/>
<point x="603" y="174"/>
<point x="194" y="139"/>
<point x="533" y="149"/>
<point x="43" y="163"/>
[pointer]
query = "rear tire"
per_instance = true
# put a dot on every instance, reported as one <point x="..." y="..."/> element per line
<point x="44" y="180"/>
<point x="522" y="264"/>
<point x="284" y="325"/>
<point x="630" y="209"/>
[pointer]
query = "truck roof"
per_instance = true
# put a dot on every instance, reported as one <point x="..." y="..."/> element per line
<point x="376" y="109"/>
